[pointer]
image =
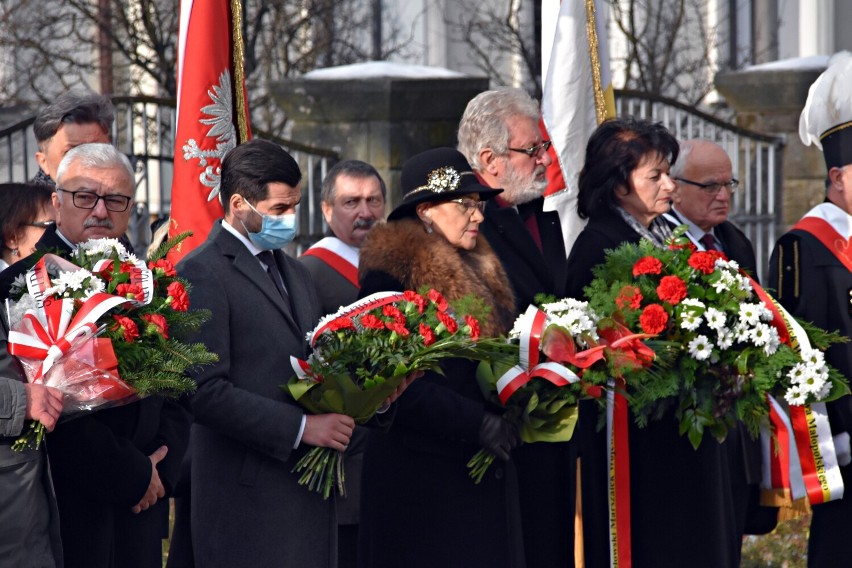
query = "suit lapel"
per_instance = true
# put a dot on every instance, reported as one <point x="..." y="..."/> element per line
<point x="246" y="264"/>
<point x="508" y="222"/>
<point x="297" y="287"/>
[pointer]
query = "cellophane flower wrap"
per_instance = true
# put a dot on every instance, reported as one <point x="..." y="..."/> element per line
<point x="362" y="353"/>
<point x="561" y="351"/>
<point x="103" y="327"/>
<point x="721" y="355"/>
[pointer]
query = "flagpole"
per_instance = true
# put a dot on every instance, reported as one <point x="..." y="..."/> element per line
<point x="239" y="73"/>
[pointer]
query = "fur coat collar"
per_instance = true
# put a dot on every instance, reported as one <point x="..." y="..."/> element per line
<point x="406" y="252"/>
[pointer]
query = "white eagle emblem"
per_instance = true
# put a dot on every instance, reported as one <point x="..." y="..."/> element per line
<point x="222" y="128"/>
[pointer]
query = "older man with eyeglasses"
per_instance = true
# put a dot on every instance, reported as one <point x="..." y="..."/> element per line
<point x="702" y="201"/>
<point x="500" y="137"/>
<point x="113" y="469"/>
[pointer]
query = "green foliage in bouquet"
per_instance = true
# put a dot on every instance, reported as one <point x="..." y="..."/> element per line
<point x="362" y="354"/>
<point x="719" y="352"/>
<point x="145" y="334"/>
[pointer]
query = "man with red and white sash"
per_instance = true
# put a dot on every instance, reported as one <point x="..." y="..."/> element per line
<point x="811" y="271"/>
<point x="353" y="199"/>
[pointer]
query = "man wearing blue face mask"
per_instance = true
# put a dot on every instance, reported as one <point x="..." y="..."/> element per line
<point x="247" y="508"/>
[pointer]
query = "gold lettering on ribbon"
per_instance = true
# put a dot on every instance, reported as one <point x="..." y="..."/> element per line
<point x="819" y="465"/>
<point x="612" y="510"/>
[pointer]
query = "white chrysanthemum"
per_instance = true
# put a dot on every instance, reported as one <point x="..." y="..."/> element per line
<point x="742" y="332"/>
<point x="750" y="313"/>
<point x="75" y="280"/>
<point x="102" y="247"/>
<point x="813" y="357"/>
<point x="18" y="284"/>
<point x="812" y="380"/>
<point x="796" y="396"/>
<point x="731" y="265"/>
<point x="96" y="285"/>
<point x="797" y="373"/>
<point x="761" y="334"/>
<point x="725" y="282"/>
<point x="19" y="308"/>
<point x="773" y="343"/>
<point x="690" y="321"/>
<point x="725" y="339"/>
<point x="765" y="313"/>
<point x="823" y="393"/>
<point x="700" y="348"/>
<point x="693" y="305"/>
<point x="715" y="319"/>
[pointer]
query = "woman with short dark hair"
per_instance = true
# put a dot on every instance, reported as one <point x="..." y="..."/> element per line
<point x="25" y="212"/>
<point x="681" y="506"/>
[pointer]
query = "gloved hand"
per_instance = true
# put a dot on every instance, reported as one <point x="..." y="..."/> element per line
<point x="498" y="436"/>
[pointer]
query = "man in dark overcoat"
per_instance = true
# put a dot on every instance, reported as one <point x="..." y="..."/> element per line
<point x="112" y="469"/>
<point x="499" y="136"/>
<point x="812" y="274"/>
<point x="248" y="509"/>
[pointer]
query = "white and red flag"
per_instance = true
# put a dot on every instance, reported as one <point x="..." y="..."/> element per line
<point x="578" y="96"/>
<point x="212" y="113"/>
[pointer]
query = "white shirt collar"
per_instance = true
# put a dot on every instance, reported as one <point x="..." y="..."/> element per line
<point x="253" y="249"/>
<point x="65" y="240"/>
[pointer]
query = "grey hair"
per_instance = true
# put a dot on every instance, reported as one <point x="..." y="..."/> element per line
<point x="97" y="156"/>
<point x="351" y="168"/>
<point x="484" y="123"/>
<point x="76" y="107"/>
<point x="680" y="164"/>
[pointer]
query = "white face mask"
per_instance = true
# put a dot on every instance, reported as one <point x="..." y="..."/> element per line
<point x="276" y="231"/>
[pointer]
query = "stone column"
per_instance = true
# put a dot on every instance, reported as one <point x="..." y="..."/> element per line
<point x="768" y="99"/>
<point x="378" y="112"/>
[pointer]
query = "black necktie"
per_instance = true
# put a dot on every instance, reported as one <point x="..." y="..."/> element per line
<point x="709" y="242"/>
<point x="267" y="258"/>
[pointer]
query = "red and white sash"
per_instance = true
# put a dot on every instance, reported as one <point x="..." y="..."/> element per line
<point x="831" y="226"/>
<point x="342" y="257"/>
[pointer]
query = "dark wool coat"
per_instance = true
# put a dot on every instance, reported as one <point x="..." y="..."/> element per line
<point x="100" y="468"/>
<point x="247" y="507"/>
<point x="682" y="504"/>
<point x="419" y="507"/>
<point x="547" y="472"/>
<point x="816" y="287"/>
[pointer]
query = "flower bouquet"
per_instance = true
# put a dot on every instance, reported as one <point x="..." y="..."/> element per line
<point x="582" y="350"/>
<point x="361" y="355"/>
<point x="101" y="327"/>
<point x="723" y="340"/>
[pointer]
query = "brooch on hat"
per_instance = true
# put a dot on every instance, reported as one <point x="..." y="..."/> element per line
<point x="443" y="179"/>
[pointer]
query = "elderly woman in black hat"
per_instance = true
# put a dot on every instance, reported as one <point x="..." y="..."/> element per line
<point x="419" y="507"/>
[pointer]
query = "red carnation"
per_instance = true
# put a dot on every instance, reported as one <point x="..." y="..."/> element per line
<point x="703" y="261"/>
<point x="163" y="265"/>
<point x="398" y="328"/>
<point x="671" y="289"/>
<point x="448" y="322"/>
<point x="473" y="325"/>
<point x="647" y="265"/>
<point x="127" y="267"/>
<point x="416" y="299"/>
<point x="180" y="299"/>
<point x="653" y="319"/>
<point x="131" y="291"/>
<point x="159" y="323"/>
<point x="439" y="300"/>
<point x="127" y="326"/>
<point x="629" y="296"/>
<point x="341" y="323"/>
<point x="372" y="322"/>
<point x="687" y="245"/>
<point x="427" y="334"/>
<point x="393" y="312"/>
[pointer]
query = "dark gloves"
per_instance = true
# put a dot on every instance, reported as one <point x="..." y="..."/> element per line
<point x="498" y="436"/>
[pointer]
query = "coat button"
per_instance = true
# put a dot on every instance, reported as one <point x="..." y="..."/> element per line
<point x="498" y="473"/>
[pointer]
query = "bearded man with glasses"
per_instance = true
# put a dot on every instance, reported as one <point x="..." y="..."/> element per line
<point x="113" y="470"/>
<point x="499" y="136"/>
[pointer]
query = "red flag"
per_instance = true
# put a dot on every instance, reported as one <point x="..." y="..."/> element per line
<point x="212" y="113"/>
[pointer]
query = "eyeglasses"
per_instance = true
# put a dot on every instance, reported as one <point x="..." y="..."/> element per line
<point x="40" y="224"/>
<point x="469" y="204"/>
<point x="534" y="151"/>
<point x="713" y="188"/>
<point x="89" y="200"/>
